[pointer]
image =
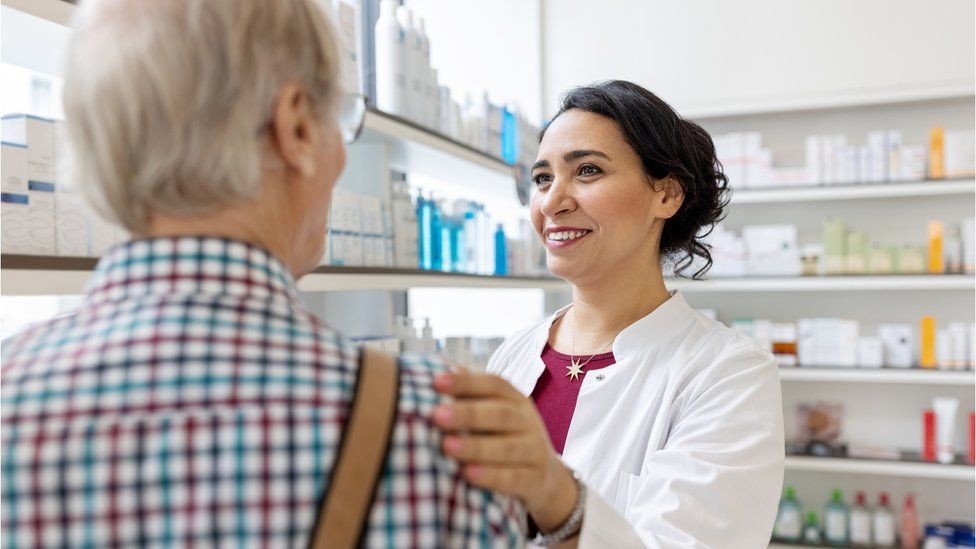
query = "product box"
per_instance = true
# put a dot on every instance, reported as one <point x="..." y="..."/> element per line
<point x="345" y="18"/>
<point x="71" y="223"/>
<point x="14" y="200"/>
<point x="771" y="250"/>
<point x="38" y="135"/>
<point x="913" y="162"/>
<point x="878" y="151"/>
<point x="960" y="153"/>
<point x="40" y="217"/>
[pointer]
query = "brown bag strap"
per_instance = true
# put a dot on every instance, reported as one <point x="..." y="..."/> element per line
<point x="362" y="453"/>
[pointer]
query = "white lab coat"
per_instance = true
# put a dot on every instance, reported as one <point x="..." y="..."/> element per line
<point x="681" y="442"/>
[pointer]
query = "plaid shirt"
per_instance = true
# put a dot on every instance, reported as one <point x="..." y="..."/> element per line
<point x="193" y="401"/>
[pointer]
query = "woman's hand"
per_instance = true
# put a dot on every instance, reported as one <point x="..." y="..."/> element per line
<point x="499" y="439"/>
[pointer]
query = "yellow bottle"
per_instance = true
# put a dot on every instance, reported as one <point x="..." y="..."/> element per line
<point x="927" y="360"/>
<point x="937" y="152"/>
<point x="936" y="259"/>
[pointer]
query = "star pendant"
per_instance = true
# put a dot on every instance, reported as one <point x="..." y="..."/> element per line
<point x="574" y="370"/>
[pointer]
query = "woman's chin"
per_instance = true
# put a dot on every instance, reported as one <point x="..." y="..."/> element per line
<point x="565" y="270"/>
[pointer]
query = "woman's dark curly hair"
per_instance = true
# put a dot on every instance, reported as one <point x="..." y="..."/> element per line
<point x="667" y="145"/>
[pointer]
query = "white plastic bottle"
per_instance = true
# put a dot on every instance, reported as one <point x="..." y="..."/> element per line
<point x="412" y="61"/>
<point x="433" y="100"/>
<point x="884" y="523"/>
<point x="860" y="522"/>
<point x="423" y="67"/>
<point x="427" y="338"/>
<point x="391" y="88"/>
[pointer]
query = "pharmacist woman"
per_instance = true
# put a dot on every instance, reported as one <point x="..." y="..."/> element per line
<point x="626" y="419"/>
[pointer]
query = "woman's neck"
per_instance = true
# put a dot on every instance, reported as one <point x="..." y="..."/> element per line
<point x="602" y="310"/>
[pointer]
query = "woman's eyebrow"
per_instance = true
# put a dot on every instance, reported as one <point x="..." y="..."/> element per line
<point x="577" y="154"/>
<point x="570" y="156"/>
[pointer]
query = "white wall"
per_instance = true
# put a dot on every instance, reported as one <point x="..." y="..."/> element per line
<point x="714" y="54"/>
<point x="493" y="46"/>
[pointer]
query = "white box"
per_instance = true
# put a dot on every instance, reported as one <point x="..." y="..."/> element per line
<point x="913" y="158"/>
<point x="71" y="223"/>
<point x="878" y="147"/>
<point x="38" y="135"/>
<point x="40" y="217"/>
<point x="771" y="250"/>
<point x="960" y="153"/>
<point x="814" y="157"/>
<point x="14" y="200"/>
<point x="870" y="352"/>
<point x="898" y="341"/>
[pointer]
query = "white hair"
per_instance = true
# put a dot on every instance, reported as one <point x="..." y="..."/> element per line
<point x="167" y="102"/>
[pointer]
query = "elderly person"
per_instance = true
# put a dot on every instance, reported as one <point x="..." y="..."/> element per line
<point x="192" y="399"/>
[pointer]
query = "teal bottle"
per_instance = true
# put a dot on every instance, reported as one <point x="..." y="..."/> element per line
<point x="837" y="520"/>
<point x="789" y="518"/>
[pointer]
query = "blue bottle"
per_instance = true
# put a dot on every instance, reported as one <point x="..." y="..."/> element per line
<point x="425" y="240"/>
<point x="509" y="135"/>
<point x="501" y="252"/>
<point x="435" y="235"/>
<point x="447" y="239"/>
<point x="789" y="518"/>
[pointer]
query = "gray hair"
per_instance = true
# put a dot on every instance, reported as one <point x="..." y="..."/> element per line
<point x="167" y="101"/>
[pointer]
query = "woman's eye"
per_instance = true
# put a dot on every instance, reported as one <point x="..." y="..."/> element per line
<point x="542" y="179"/>
<point x="588" y="169"/>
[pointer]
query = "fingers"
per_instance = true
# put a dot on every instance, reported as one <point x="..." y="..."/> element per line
<point x="495" y="450"/>
<point x="495" y="415"/>
<point x="517" y="481"/>
<point x="472" y="384"/>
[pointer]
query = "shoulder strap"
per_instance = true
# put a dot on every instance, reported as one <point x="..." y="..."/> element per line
<point x="362" y="452"/>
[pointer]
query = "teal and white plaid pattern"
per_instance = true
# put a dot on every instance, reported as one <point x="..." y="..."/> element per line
<point x="193" y="401"/>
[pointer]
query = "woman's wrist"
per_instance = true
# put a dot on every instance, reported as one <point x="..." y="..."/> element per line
<point x="553" y="507"/>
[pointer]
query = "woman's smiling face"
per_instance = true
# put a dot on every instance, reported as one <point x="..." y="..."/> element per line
<point x="594" y="206"/>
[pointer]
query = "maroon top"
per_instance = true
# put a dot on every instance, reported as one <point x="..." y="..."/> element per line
<point x="555" y="394"/>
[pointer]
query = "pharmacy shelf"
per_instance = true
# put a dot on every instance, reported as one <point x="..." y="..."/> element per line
<point x="908" y="376"/>
<point x="822" y="193"/>
<point x="949" y="90"/>
<point x="419" y="150"/>
<point x="56" y="11"/>
<point x="877" y="467"/>
<point x="43" y="275"/>
<point x="826" y="283"/>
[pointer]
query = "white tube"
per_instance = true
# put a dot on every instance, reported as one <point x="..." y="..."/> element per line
<point x="945" y="420"/>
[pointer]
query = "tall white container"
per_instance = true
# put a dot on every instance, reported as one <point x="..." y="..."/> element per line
<point x="427" y="79"/>
<point x="391" y="86"/>
<point x="412" y="60"/>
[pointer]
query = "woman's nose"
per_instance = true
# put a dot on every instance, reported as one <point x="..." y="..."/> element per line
<point x="558" y="199"/>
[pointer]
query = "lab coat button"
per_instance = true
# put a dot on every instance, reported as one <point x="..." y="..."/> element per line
<point x="600" y="377"/>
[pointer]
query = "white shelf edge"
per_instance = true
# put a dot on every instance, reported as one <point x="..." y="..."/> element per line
<point x="881" y="468"/>
<point x="326" y="282"/>
<point x="882" y="375"/>
<point x="55" y="11"/>
<point x="391" y="127"/>
<point x="826" y="283"/>
<point x="853" y="192"/>
<point x="27" y="282"/>
<point x="862" y="98"/>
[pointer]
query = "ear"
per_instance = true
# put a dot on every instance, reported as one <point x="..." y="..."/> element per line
<point x="668" y="196"/>
<point x="293" y="124"/>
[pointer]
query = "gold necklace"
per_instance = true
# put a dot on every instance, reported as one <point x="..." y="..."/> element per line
<point x="575" y="368"/>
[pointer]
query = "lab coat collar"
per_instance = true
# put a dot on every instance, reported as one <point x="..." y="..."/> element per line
<point x="641" y="338"/>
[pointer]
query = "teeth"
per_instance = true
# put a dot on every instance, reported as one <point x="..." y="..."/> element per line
<point x="566" y="235"/>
